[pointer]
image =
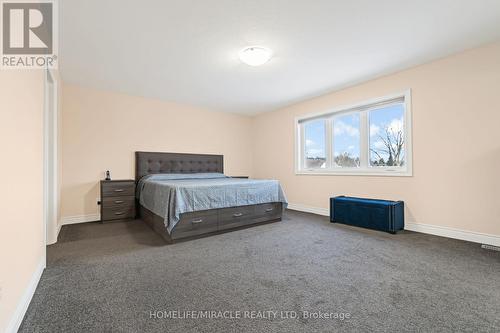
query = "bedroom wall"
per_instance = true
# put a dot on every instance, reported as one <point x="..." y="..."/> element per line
<point x="102" y="130"/>
<point x="456" y="145"/>
<point x="22" y="237"/>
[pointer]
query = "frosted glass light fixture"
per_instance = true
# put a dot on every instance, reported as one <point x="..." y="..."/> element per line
<point x="255" y="55"/>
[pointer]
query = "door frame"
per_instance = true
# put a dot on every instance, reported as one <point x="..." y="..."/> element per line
<point x="50" y="158"/>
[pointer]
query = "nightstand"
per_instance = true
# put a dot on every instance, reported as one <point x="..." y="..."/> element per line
<point x="117" y="200"/>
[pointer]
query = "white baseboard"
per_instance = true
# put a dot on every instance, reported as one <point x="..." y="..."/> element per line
<point x="309" y="209"/>
<point x="23" y="304"/>
<point x="80" y="219"/>
<point x="53" y="239"/>
<point x="74" y="220"/>
<point x="466" y="235"/>
<point x="470" y="236"/>
<point x="59" y="226"/>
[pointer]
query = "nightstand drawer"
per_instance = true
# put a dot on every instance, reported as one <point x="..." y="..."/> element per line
<point x="114" y="189"/>
<point x="114" y="213"/>
<point x="118" y="201"/>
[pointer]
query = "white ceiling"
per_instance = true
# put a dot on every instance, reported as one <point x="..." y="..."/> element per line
<point x="186" y="50"/>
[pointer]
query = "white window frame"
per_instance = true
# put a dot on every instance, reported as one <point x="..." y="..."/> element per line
<point x="364" y="169"/>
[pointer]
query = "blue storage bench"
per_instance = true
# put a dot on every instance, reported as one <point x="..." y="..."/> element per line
<point x="384" y="215"/>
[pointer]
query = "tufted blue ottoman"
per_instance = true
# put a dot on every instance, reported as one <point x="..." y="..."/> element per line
<point x="384" y="215"/>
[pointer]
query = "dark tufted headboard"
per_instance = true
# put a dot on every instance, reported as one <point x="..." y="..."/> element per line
<point x="147" y="163"/>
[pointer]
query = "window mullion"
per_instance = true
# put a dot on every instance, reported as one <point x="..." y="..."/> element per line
<point x="364" y="137"/>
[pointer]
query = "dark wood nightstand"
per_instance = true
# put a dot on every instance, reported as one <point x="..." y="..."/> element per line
<point x="117" y="200"/>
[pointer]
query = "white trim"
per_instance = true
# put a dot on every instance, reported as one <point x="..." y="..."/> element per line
<point x="80" y="219"/>
<point x="470" y="236"/>
<point x="351" y="107"/>
<point x="50" y="172"/>
<point x="59" y="226"/>
<point x="406" y="171"/>
<point x="309" y="209"/>
<point x="361" y="172"/>
<point x="466" y="235"/>
<point x="22" y="306"/>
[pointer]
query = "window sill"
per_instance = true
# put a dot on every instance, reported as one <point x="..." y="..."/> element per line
<point x="379" y="173"/>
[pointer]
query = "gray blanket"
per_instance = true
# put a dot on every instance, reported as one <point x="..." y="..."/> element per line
<point x="170" y="195"/>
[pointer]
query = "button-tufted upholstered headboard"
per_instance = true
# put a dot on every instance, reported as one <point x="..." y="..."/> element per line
<point x="147" y="163"/>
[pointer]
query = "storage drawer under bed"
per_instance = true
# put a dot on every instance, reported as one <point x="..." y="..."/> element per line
<point x="236" y="217"/>
<point x="207" y="221"/>
<point x="196" y="223"/>
<point x="268" y="209"/>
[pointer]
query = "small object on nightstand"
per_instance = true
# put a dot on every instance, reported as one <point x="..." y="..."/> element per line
<point x="117" y="200"/>
<point x="108" y="175"/>
<point x="243" y="177"/>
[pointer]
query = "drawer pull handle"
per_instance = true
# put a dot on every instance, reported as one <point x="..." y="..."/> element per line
<point x="269" y="209"/>
<point x="118" y="201"/>
<point x="197" y="221"/>
<point x="119" y="213"/>
<point x="119" y="190"/>
<point x="238" y="215"/>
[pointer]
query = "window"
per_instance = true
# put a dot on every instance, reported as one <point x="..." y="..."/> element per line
<point x="387" y="136"/>
<point x="372" y="138"/>
<point x="315" y="151"/>
<point x="346" y="141"/>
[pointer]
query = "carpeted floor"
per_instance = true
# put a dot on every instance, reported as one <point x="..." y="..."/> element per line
<point x="117" y="277"/>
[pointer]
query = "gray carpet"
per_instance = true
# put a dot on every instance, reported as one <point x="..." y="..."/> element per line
<point x="112" y="277"/>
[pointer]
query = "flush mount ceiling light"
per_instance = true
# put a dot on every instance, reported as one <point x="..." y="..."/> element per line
<point x="255" y="55"/>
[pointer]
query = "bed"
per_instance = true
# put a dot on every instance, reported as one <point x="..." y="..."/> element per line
<point x="182" y="196"/>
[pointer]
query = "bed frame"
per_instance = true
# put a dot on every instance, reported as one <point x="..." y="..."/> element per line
<point x="199" y="223"/>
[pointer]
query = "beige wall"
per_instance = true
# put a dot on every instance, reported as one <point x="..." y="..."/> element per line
<point x="102" y="130"/>
<point x="456" y="144"/>
<point x="21" y="138"/>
